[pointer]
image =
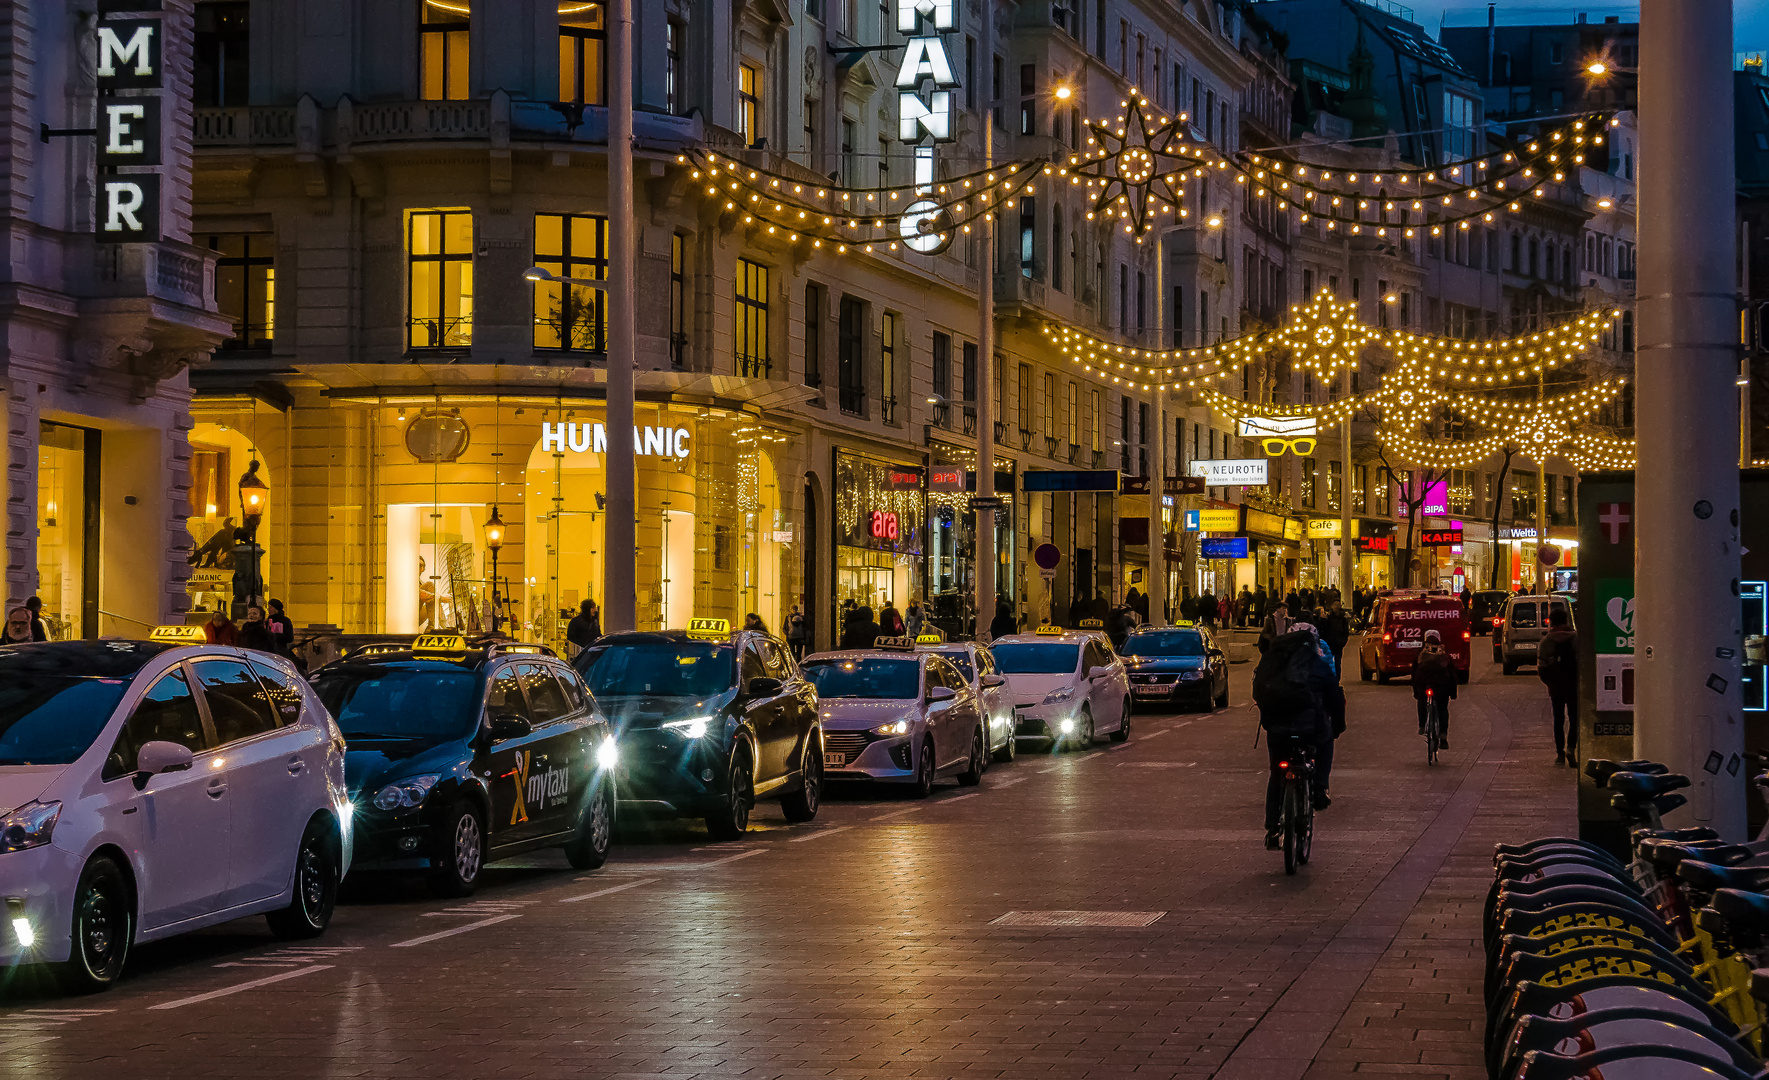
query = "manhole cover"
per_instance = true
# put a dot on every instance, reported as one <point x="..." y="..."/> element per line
<point x="1077" y="918"/>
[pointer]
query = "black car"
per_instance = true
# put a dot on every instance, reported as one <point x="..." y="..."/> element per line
<point x="1176" y="664"/>
<point x="458" y="754"/>
<point x="1485" y="608"/>
<point x="707" y="722"/>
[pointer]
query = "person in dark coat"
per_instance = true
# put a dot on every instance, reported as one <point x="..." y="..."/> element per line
<point x="255" y="632"/>
<point x="585" y="627"/>
<point x="39" y="628"/>
<point x="860" y="631"/>
<point x="890" y="621"/>
<point x="1303" y="713"/>
<point x="1188" y="607"/>
<point x="220" y="630"/>
<point x="1335" y="632"/>
<point x="1435" y="671"/>
<point x="1003" y="623"/>
<point x="1557" y="665"/>
<point x="1206" y="609"/>
<point x="282" y="628"/>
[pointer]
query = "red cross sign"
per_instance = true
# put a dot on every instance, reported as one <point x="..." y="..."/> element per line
<point x="1615" y="518"/>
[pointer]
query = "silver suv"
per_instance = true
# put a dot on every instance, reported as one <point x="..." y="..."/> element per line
<point x="1521" y="627"/>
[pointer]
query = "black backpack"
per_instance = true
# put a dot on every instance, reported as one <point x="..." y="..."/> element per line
<point x="1282" y="681"/>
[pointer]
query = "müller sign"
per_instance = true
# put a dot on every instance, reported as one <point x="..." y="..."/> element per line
<point x="593" y="439"/>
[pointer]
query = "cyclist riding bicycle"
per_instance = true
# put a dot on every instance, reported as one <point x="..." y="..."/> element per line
<point x="1435" y="672"/>
<point x="1291" y="686"/>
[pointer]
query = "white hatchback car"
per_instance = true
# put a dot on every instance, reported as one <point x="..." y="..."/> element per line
<point x="148" y="788"/>
<point x="975" y="663"/>
<point x="1067" y="686"/>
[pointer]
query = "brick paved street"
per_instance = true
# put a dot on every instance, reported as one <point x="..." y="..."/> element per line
<point x="873" y="942"/>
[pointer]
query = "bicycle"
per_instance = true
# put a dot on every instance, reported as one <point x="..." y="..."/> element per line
<point x="1297" y="809"/>
<point x="1433" y="727"/>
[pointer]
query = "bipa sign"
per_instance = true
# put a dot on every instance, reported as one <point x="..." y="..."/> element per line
<point x="593" y="439"/>
<point x="925" y="61"/>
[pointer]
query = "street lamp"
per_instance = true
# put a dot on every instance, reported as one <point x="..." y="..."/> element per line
<point x="254" y="498"/>
<point x="494" y="539"/>
<point x="536" y="273"/>
<point x="248" y="585"/>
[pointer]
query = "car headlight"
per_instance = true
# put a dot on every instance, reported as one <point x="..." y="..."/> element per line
<point x="1189" y="676"/>
<point x="895" y="727"/>
<point x="408" y="792"/>
<point x="1059" y="695"/>
<point x="608" y="754"/>
<point x="28" y="826"/>
<point x="692" y="728"/>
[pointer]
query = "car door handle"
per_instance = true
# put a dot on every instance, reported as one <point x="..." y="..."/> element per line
<point x="217" y="788"/>
<point x="296" y="765"/>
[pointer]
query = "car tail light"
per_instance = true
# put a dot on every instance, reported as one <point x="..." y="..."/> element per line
<point x="1467" y="635"/>
<point x="1386" y="638"/>
<point x="1283" y="764"/>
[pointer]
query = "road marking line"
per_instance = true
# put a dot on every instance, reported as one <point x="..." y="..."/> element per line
<point x="734" y="858"/>
<point x="957" y="798"/>
<point x="819" y="834"/>
<point x="1009" y="783"/>
<point x="254" y="984"/>
<point x="897" y="814"/>
<point x="1052" y="768"/>
<point x="610" y="889"/>
<point x="451" y="933"/>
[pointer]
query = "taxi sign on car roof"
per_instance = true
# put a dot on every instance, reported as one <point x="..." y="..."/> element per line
<point x="709" y="629"/>
<point x="440" y="645"/>
<point x="1092" y="624"/>
<point x="930" y="637"/>
<point x="1185" y="622"/>
<point x="1049" y="630"/>
<point x="904" y="643"/>
<point x="179" y="635"/>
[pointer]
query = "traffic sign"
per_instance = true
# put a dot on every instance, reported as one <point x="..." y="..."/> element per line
<point x="1047" y="556"/>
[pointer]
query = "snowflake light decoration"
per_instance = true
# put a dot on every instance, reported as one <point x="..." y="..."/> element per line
<point x="1135" y="168"/>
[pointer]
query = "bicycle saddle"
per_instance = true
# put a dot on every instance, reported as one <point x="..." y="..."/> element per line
<point x="1642" y="785"/>
<point x="1747" y="911"/>
<point x="1708" y="876"/>
<point x="1682" y="836"/>
<point x="1601" y="769"/>
<point x="1667" y="855"/>
<point x="1628" y="805"/>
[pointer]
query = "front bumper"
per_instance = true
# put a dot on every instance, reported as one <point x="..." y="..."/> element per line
<point x="868" y="756"/>
<point x="388" y="840"/>
<point x="660" y="772"/>
<point x="1170" y="688"/>
<point x="42" y="880"/>
<point x="1045" y="722"/>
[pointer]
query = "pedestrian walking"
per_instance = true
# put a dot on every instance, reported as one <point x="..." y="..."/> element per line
<point x="584" y="628"/>
<point x="797" y="631"/>
<point x="1277" y="624"/>
<point x="255" y="633"/>
<point x="1004" y="623"/>
<point x="912" y="619"/>
<point x="1557" y="665"/>
<point x="1335" y="632"/>
<point x="890" y="621"/>
<point x="752" y="621"/>
<point x="1435" y="671"/>
<point x="39" y="629"/>
<point x="282" y="629"/>
<point x="860" y="631"/>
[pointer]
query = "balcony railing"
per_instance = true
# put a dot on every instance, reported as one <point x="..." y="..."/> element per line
<point x="754" y="367"/>
<point x="852" y="400"/>
<point x="970" y="419"/>
<point x="887" y="409"/>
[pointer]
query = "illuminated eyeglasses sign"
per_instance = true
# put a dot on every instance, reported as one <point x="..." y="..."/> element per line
<point x="1280" y="427"/>
<point x="593" y="439"/>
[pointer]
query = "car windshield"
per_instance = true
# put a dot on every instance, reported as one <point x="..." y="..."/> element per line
<point x="1036" y="657"/>
<point x="960" y="660"/>
<point x="424" y="701"/>
<point x="1166" y="643"/>
<point x="865" y="677"/>
<point x="693" y="669"/>
<point x="52" y="719"/>
<point x="1523" y="614"/>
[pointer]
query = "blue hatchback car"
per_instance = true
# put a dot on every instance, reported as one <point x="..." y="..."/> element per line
<point x="1179" y="665"/>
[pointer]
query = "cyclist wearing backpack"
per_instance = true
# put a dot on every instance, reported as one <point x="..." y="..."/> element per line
<point x="1435" y="671"/>
<point x="1291" y="687"/>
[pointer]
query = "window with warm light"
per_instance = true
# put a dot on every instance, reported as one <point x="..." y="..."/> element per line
<point x="245" y="287"/>
<point x="583" y="52"/>
<point x="439" y="252"/>
<point x="749" y="103"/>
<point x="570" y="317"/>
<point x="753" y="357"/>
<point x="443" y="29"/>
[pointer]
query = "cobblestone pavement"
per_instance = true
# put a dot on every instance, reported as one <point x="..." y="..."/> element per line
<point x="894" y="938"/>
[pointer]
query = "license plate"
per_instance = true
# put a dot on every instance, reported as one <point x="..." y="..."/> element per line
<point x="1151" y="691"/>
<point x="835" y="761"/>
<point x="1408" y="644"/>
<point x="1524" y="645"/>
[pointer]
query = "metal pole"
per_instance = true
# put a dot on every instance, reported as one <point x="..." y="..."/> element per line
<point x="1687" y="637"/>
<point x="1347" y="545"/>
<point x="1541" y="495"/>
<point x="1157" y="590"/>
<point x="985" y="518"/>
<point x="619" y="545"/>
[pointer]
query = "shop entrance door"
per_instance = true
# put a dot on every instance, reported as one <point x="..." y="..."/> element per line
<point x="68" y="463"/>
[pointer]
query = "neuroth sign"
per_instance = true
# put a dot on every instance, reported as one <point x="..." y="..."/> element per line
<point x="925" y="61"/>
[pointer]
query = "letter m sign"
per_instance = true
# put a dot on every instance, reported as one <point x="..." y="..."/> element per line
<point x="128" y="54"/>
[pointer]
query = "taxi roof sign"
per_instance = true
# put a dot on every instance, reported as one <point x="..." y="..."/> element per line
<point x="440" y="644"/>
<point x="179" y="635"/>
<point x="709" y="629"/>
<point x="1049" y="630"/>
<point x="930" y="637"/>
<point x="1092" y="624"/>
<point x="894" y="643"/>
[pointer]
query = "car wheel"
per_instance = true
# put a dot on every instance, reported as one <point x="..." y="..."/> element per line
<point x="462" y="857"/>
<point x="801" y="805"/>
<point x="924" y="771"/>
<point x="1010" y="748"/>
<point x="589" y="848"/>
<point x="1123" y="731"/>
<point x="730" y="819"/>
<point x="1363" y="669"/>
<point x="1222" y="698"/>
<point x="1382" y="677"/>
<point x="979" y="760"/>
<point x="1083" y="739"/>
<point x="1510" y="669"/>
<point x="316" y="885"/>
<point x="103" y="928"/>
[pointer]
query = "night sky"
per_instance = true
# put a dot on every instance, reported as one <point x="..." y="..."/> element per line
<point x="1751" y="17"/>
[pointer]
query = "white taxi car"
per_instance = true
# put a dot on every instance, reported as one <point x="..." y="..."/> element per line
<point x="148" y="788"/>
<point x="1067" y="686"/>
<point x="891" y="714"/>
<point x="977" y="665"/>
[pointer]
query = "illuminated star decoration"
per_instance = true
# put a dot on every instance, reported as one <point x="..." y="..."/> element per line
<point x="1325" y="336"/>
<point x="1136" y="168"/>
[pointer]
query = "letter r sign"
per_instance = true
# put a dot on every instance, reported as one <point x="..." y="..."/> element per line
<point x="129" y="209"/>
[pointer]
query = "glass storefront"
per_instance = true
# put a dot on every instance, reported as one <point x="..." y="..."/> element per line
<point x="880" y="524"/>
<point x="952" y="537"/>
<point x="67" y="524"/>
<point x="219" y="455"/>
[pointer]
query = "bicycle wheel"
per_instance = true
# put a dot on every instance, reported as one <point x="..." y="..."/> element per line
<point x="1306" y="844"/>
<point x="1433" y="727"/>
<point x="1293" y="799"/>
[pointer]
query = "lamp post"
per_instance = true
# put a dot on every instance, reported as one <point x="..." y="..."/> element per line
<point x="494" y="540"/>
<point x="248" y="584"/>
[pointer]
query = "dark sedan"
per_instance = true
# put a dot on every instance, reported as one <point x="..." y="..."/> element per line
<point x="1178" y="665"/>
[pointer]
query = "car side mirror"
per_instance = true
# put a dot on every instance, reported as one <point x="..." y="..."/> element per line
<point x="510" y="726"/>
<point x="763" y="686"/>
<point x="941" y="693"/>
<point x="159" y="757"/>
<point x="994" y="680"/>
<point x="1215" y="653"/>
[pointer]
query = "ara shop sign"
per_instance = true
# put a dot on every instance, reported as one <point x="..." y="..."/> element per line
<point x="925" y="61"/>
<point x="593" y="439"/>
